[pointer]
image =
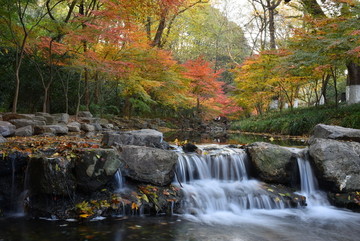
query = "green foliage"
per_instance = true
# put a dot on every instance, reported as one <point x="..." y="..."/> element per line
<point x="301" y="121"/>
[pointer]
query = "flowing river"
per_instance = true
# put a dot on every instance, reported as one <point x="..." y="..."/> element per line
<point x="222" y="202"/>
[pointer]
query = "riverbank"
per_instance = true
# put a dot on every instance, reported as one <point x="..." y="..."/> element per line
<point x="300" y="122"/>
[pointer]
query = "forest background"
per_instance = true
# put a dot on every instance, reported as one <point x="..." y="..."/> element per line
<point x="177" y="58"/>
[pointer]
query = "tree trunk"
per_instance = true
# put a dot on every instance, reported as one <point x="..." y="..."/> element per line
<point x="159" y="32"/>
<point x="272" y="28"/>
<point x="46" y="98"/>
<point x="353" y="83"/>
<point x="325" y="82"/>
<point x="334" y="75"/>
<point x="19" y="59"/>
<point x="17" y="89"/>
<point x="127" y="107"/>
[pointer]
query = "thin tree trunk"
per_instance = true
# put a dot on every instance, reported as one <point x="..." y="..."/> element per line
<point x="19" y="59"/>
<point x="272" y="28"/>
<point x="159" y="32"/>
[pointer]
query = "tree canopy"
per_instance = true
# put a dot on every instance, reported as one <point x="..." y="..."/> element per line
<point x="161" y="58"/>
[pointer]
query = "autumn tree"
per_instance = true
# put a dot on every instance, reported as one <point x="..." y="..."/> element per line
<point x="335" y="26"/>
<point x="204" y="87"/>
<point x="19" y="20"/>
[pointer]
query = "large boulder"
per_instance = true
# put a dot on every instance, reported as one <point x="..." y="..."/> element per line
<point x="94" y="168"/>
<point x="24" y="131"/>
<point x="74" y="126"/>
<point x="49" y="119"/>
<point x="87" y="127"/>
<point x="274" y="164"/>
<point x="86" y="114"/>
<point x="59" y="129"/>
<point x="336" y="132"/>
<point x="62" y="118"/>
<point x="51" y="176"/>
<point x="337" y="164"/>
<point x="39" y="130"/>
<point x="6" y="128"/>
<point x="144" y="137"/>
<point x="146" y="164"/>
<point x="27" y="122"/>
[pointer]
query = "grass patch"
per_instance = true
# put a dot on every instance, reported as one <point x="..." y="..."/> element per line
<point x="300" y="121"/>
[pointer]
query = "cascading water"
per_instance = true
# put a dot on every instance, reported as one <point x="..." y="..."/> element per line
<point x="119" y="180"/>
<point x="309" y="184"/>
<point x="218" y="189"/>
<point x="218" y="182"/>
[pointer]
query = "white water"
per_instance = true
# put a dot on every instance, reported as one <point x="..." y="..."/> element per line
<point x="309" y="184"/>
<point x="119" y="180"/>
<point x="219" y="190"/>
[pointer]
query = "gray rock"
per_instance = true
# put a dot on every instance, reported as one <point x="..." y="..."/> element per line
<point x="86" y="114"/>
<point x="27" y="122"/>
<point x="51" y="176"/>
<point x="97" y="127"/>
<point x="74" y="126"/>
<point x="89" y="120"/>
<point x="95" y="168"/>
<point x="2" y="139"/>
<point x="59" y="129"/>
<point x="144" y="137"/>
<point x="51" y="120"/>
<point x="6" y="128"/>
<point x="61" y="118"/>
<point x="146" y="164"/>
<point x="87" y="127"/>
<point x="337" y="164"/>
<point x="273" y="163"/>
<point x="40" y="118"/>
<point x="24" y="131"/>
<point x="44" y="114"/>
<point x="39" y="130"/>
<point x="48" y="118"/>
<point x="107" y="126"/>
<point x="336" y="132"/>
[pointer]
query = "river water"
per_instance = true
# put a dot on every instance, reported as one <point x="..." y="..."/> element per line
<point x="222" y="202"/>
<point x="296" y="225"/>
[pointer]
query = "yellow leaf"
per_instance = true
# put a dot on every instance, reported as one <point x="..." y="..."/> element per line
<point x="85" y="215"/>
<point x="134" y="206"/>
<point x="145" y="198"/>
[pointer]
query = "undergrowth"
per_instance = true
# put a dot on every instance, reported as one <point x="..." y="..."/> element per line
<point x="300" y="121"/>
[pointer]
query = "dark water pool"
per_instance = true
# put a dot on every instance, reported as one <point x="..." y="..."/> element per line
<point x="258" y="226"/>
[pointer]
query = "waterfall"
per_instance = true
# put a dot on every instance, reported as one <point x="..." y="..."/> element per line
<point x="218" y="182"/>
<point x="309" y="184"/>
<point x="119" y="180"/>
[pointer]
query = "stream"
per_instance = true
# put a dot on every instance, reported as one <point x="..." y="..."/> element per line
<point x="222" y="202"/>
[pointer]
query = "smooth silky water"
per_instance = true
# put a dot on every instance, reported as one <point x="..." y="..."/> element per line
<point x="222" y="202"/>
